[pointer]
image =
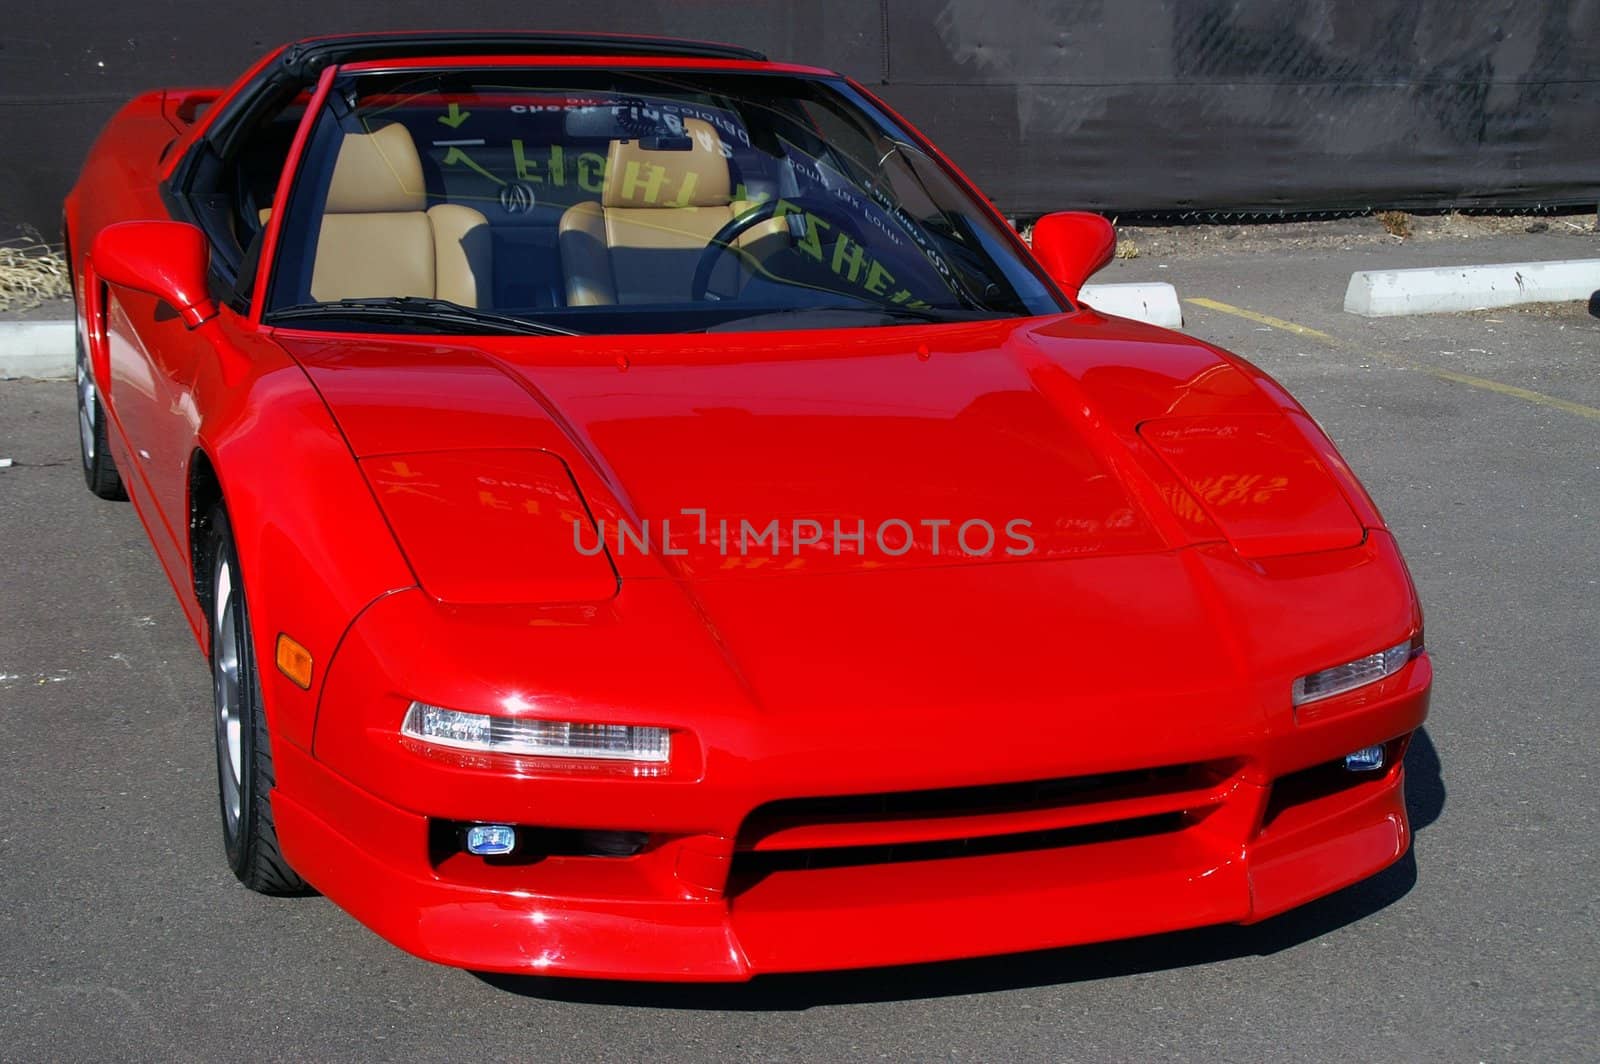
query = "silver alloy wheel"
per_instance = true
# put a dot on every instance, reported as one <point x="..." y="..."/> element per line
<point x="86" y="409"/>
<point x="226" y="680"/>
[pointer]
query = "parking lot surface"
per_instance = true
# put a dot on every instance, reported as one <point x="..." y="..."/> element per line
<point x="123" y="935"/>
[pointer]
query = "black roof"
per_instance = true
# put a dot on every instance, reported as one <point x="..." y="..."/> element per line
<point x="305" y="58"/>
<point x="299" y="64"/>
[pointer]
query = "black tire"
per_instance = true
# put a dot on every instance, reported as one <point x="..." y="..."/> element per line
<point x="99" y="469"/>
<point x="244" y="750"/>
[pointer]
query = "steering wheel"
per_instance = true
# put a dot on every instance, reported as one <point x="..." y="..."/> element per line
<point x="722" y="243"/>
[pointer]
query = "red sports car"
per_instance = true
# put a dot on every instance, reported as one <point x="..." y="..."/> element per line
<point x="649" y="516"/>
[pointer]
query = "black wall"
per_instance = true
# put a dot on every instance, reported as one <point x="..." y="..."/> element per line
<point x="1118" y="105"/>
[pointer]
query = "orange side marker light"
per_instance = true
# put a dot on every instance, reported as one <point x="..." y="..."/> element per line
<point x="294" y="661"/>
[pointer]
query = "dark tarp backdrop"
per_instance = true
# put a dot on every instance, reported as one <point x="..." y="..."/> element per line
<point x="1116" y="105"/>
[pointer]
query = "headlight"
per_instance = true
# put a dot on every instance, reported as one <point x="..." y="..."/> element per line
<point x="492" y="527"/>
<point x="1352" y="674"/>
<point x="538" y="738"/>
<point x="1258" y="480"/>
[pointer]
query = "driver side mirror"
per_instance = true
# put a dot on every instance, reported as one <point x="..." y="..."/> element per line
<point x="167" y="260"/>
<point x="1073" y="246"/>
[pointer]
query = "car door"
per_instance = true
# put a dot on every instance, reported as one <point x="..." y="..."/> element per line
<point x="154" y="360"/>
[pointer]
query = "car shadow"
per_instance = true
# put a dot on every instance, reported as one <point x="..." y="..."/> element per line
<point x="1425" y="799"/>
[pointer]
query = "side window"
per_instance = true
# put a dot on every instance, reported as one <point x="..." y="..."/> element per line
<point x="230" y="197"/>
<point x="254" y="173"/>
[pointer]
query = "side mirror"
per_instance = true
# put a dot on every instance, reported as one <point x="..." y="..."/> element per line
<point x="1073" y="246"/>
<point x="165" y="259"/>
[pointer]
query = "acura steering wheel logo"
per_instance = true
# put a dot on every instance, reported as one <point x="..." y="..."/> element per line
<point x="517" y="198"/>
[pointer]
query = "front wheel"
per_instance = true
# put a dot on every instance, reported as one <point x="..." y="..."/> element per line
<point x="244" y="753"/>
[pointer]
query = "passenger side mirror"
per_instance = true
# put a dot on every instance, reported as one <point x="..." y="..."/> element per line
<point x="165" y="259"/>
<point x="1073" y="246"/>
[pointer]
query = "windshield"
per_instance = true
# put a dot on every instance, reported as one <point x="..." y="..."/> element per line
<point x="622" y="202"/>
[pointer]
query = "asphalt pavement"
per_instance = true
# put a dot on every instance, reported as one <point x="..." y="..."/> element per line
<point x="123" y="935"/>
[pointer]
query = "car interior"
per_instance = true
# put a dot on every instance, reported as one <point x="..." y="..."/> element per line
<point x="380" y="237"/>
<point x="398" y="222"/>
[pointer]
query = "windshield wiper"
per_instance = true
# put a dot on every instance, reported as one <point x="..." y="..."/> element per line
<point x="412" y="309"/>
<point x="940" y="314"/>
<point x="784" y="317"/>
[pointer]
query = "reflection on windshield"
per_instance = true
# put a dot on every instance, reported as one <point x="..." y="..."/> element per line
<point x="610" y="202"/>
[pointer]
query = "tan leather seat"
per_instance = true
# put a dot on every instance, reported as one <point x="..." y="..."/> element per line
<point x="380" y="238"/>
<point x="658" y="210"/>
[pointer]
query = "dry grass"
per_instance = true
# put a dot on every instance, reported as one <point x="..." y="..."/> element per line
<point x="30" y="273"/>
<point x="1396" y="223"/>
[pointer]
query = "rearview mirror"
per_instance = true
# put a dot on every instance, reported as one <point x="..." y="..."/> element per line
<point x="165" y="259"/>
<point x="1073" y="246"/>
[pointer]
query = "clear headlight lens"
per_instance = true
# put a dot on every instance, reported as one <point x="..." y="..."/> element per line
<point x="537" y="738"/>
<point x="1352" y="674"/>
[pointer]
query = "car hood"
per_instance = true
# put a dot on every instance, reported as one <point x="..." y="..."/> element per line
<point x="727" y="455"/>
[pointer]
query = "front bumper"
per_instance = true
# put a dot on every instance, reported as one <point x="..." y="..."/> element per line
<point x="704" y="906"/>
<point x="857" y="917"/>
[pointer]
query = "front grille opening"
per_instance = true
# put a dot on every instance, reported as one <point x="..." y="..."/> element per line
<point x="984" y="800"/>
<point x="447" y="839"/>
<point x="750" y="867"/>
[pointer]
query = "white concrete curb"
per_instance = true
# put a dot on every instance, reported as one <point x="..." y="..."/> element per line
<point x="1156" y="302"/>
<point x="1446" y="289"/>
<point x="37" y="349"/>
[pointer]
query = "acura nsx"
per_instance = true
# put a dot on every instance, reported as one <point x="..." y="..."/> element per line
<point x="649" y="516"/>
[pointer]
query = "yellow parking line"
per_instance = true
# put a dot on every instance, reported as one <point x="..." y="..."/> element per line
<point x="1525" y="394"/>
<point x="1264" y="319"/>
<point x="1512" y="390"/>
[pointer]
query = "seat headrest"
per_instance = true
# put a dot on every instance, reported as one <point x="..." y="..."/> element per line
<point x="377" y="171"/>
<point x="637" y="176"/>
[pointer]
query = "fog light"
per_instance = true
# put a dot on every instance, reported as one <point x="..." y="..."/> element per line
<point x="1366" y="759"/>
<point x="539" y="738"/>
<point x="491" y="840"/>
